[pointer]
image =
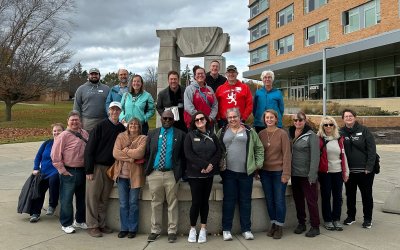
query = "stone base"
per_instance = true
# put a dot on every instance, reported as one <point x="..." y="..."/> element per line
<point x="392" y="203"/>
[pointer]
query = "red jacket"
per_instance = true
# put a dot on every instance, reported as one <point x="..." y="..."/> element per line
<point x="232" y="96"/>
<point x="323" y="162"/>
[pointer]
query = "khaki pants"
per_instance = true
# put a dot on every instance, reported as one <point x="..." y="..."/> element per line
<point x="163" y="187"/>
<point x="97" y="193"/>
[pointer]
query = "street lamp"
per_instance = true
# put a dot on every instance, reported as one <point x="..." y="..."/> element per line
<point x="324" y="79"/>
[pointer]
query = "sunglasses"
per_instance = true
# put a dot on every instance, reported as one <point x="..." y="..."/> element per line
<point x="298" y="120"/>
<point x="168" y="119"/>
<point x="329" y="125"/>
<point x="199" y="119"/>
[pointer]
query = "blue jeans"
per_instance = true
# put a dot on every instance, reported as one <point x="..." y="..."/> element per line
<point x="237" y="186"/>
<point x="128" y="205"/>
<point x="274" y="191"/>
<point x="70" y="185"/>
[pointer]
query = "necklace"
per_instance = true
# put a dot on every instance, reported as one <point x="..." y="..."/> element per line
<point x="270" y="138"/>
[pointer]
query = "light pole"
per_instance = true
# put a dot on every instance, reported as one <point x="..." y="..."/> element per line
<point x="324" y="79"/>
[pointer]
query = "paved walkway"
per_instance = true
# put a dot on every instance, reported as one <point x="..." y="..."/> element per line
<point x="17" y="233"/>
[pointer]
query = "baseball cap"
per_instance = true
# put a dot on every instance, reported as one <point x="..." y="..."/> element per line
<point x="231" y="67"/>
<point x="94" y="70"/>
<point x="115" y="104"/>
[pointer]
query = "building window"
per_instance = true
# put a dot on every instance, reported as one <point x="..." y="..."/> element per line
<point x="317" y="33"/>
<point x="363" y="16"/>
<point x="285" y="16"/>
<point x="258" y="7"/>
<point x="284" y="45"/>
<point x="259" y="30"/>
<point x="310" y="5"/>
<point x="259" y="55"/>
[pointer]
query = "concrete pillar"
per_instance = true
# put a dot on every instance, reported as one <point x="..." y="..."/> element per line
<point x="392" y="203"/>
<point x="371" y="88"/>
<point x="220" y="59"/>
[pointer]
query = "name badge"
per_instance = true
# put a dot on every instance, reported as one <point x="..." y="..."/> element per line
<point x="196" y="139"/>
<point x="360" y="133"/>
<point x="240" y="134"/>
<point x="100" y="91"/>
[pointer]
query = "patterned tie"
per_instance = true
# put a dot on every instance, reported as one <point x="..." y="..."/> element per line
<point x="161" y="164"/>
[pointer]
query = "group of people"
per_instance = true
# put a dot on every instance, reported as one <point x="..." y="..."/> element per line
<point x="92" y="153"/>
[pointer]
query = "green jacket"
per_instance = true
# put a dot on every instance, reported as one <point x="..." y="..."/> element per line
<point x="254" y="149"/>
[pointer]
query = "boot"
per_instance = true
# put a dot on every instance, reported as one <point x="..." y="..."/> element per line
<point x="278" y="232"/>
<point x="271" y="231"/>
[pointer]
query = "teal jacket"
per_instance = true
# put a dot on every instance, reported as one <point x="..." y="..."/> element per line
<point x="141" y="107"/>
<point x="254" y="149"/>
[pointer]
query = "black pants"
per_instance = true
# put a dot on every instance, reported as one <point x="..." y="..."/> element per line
<point x="331" y="185"/>
<point x="145" y="128"/>
<point x="364" y="183"/>
<point x="200" y="189"/>
<point x="53" y="185"/>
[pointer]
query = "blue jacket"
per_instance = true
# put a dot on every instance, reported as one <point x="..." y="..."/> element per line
<point x="264" y="100"/>
<point x="115" y="95"/>
<point x="141" y="107"/>
<point x="43" y="160"/>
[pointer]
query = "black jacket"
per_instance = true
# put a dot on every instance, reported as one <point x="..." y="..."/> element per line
<point x="167" y="98"/>
<point x="29" y="191"/>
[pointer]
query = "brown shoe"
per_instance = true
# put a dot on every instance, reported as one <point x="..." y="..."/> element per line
<point x="271" y="231"/>
<point x="106" y="230"/>
<point x="94" y="232"/>
<point x="278" y="232"/>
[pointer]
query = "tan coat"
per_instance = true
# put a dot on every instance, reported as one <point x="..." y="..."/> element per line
<point x="125" y="152"/>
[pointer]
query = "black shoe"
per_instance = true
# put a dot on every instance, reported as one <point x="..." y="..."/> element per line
<point x="300" y="229"/>
<point x="367" y="224"/>
<point x="131" y="235"/>
<point x="152" y="237"/>
<point x="314" y="231"/>
<point x="349" y="220"/>
<point x="122" y="234"/>
<point x="172" y="238"/>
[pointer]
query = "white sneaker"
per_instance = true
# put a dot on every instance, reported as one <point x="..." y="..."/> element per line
<point x="202" y="236"/>
<point x="192" y="235"/>
<point x="68" y="229"/>
<point x="80" y="225"/>
<point x="227" y="235"/>
<point x="248" y="235"/>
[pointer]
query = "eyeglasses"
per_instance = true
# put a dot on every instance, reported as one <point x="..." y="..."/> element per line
<point x="298" y="120"/>
<point x="329" y="125"/>
<point x="199" y="119"/>
<point x="168" y="119"/>
<point x="232" y="117"/>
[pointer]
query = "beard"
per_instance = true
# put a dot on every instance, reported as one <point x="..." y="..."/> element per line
<point x="95" y="81"/>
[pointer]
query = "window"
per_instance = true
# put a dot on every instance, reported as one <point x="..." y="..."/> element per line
<point x="258" y="7"/>
<point x="310" y="5"/>
<point x="259" y="30"/>
<point x="317" y="33"/>
<point x="285" y="16"/>
<point x="284" y="45"/>
<point x="361" y="17"/>
<point x="259" y="55"/>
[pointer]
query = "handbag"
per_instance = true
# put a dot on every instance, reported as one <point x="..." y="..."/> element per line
<point x="222" y="162"/>
<point x="111" y="171"/>
<point x="377" y="166"/>
<point x="139" y="161"/>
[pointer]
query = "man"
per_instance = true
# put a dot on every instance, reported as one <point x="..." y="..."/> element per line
<point x="233" y="93"/>
<point x="164" y="151"/>
<point x="98" y="158"/>
<point x="213" y="78"/>
<point x="116" y="92"/>
<point x="67" y="155"/>
<point x="89" y="100"/>
<point x="172" y="98"/>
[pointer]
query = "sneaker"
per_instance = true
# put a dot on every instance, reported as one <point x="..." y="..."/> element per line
<point x="314" y="231"/>
<point x="227" y="235"/>
<point x="122" y="234"/>
<point x="248" y="235"/>
<point x="68" y="229"/>
<point x="50" y="211"/>
<point x="152" y="237"/>
<point x="367" y="224"/>
<point x="172" y="238"/>
<point x="106" y="230"/>
<point x="80" y="225"/>
<point x="329" y="226"/>
<point x="95" y="232"/>
<point x="192" y="235"/>
<point x="202" y="236"/>
<point x="300" y="229"/>
<point x="338" y="225"/>
<point x="34" y="218"/>
<point x="348" y="221"/>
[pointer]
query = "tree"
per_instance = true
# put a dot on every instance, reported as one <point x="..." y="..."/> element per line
<point x="75" y="79"/>
<point x="186" y="75"/>
<point x="33" y="39"/>
<point x="150" y="80"/>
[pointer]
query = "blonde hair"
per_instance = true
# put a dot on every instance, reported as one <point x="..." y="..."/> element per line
<point x="328" y="120"/>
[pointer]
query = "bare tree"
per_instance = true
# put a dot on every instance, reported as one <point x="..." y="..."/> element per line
<point x="33" y="39"/>
<point x="150" y="80"/>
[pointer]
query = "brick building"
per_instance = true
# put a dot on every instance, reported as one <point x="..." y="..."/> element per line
<point x="361" y="39"/>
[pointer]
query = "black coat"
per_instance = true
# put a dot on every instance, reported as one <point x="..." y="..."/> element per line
<point x="29" y="192"/>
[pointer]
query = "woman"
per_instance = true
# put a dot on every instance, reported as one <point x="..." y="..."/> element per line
<point x="50" y="178"/>
<point x="199" y="97"/>
<point x="203" y="154"/>
<point x="275" y="173"/>
<point x="305" y="161"/>
<point x="267" y="97"/>
<point x="129" y="149"/>
<point x="137" y="103"/>
<point x="360" y="148"/>
<point x="333" y="171"/>
<point x="244" y="154"/>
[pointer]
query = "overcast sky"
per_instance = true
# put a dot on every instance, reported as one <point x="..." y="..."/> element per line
<point x="122" y="33"/>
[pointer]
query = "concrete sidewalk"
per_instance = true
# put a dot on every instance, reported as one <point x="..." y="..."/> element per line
<point x="16" y="162"/>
